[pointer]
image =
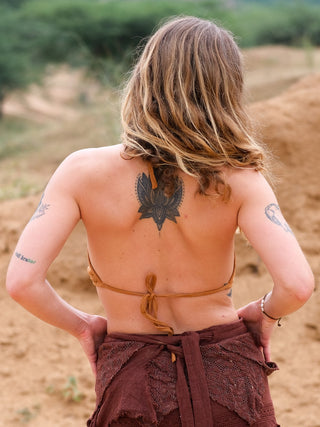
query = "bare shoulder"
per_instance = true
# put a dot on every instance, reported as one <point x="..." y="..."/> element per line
<point x="82" y="170"/>
<point x="91" y="158"/>
<point x="247" y="183"/>
<point x="88" y="162"/>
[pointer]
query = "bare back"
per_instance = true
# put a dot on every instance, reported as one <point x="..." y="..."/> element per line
<point x="189" y="245"/>
<point x="192" y="251"/>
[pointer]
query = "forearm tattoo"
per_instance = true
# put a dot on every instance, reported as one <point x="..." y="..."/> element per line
<point x="273" y="213"/>
<point x="155" y="204"/>
<point x="41" y="209"/>
<point x="23" y="258"/>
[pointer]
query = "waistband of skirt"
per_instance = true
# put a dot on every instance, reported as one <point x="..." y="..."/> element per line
<point x="218" y="332"/>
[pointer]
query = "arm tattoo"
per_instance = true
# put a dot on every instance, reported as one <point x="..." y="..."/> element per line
<point x="155" y="204"/>
<point x="41" y="209"/>
<point x="229" y="294"/>
<point x="273" y="213"/>
<point x="23" y="258"/>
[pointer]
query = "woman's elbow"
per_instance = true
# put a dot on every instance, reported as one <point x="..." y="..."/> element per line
<point x="16" y="286"/>
<point x="304" y="287"/>
<point x="13" y="289"/>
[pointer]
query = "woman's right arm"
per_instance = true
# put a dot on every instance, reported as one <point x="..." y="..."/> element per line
<point x="262" y="222"/>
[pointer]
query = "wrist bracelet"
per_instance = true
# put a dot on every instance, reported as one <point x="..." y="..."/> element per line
<point x="268" y="315"/>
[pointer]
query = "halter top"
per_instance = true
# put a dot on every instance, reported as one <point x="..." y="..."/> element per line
<point x="149" y="303"/>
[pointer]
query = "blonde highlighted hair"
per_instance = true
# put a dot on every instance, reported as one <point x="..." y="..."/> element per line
<point x="183" y="105"/>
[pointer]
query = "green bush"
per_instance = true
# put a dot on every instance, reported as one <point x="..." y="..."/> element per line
<point x="287" y="23"/>
<point x="103" y="34"/>
<point x="17" y="66"/>
<point x="97" y="33"/>
<point x="100" y="35"/>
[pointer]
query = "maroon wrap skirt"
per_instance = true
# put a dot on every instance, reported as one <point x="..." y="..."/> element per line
<point x="219" y="378"/>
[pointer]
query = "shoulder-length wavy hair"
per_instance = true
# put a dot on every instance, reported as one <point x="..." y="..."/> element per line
<point x="183" y="105"/>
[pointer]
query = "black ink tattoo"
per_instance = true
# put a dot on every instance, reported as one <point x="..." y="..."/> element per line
<point x="23" y="258"/>
<point x="155" y="204"/>
<point x="41" y="209"/>
<point x="273" y="213"/>
<point x="229" y="294"/>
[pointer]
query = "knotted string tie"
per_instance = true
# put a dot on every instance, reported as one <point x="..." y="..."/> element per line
<point x="149" y="305"/>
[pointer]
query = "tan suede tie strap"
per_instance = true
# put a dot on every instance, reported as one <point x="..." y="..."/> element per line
<point x="153" y="178"/>
<point x="149" y="303"/>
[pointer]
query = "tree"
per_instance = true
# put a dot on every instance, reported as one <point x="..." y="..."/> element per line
<point x="17" y="68"/>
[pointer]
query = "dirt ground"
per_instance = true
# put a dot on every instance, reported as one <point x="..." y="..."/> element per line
<point x="45" y="378"/>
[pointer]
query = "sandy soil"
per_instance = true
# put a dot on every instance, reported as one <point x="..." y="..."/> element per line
<point x="38" y="363"/>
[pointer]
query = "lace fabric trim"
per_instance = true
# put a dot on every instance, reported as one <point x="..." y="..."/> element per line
<point x="236" y="375"/>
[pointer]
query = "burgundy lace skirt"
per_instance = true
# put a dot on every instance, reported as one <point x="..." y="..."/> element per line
<point x="219" y="378"/>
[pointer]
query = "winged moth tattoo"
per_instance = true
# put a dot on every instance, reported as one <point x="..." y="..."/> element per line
<point x="155" y="204"/>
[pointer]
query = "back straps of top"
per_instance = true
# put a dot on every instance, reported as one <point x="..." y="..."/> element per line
<point x="149" y="303"/>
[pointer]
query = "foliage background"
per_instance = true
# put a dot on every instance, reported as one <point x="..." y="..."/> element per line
<point x="102" y="35"/>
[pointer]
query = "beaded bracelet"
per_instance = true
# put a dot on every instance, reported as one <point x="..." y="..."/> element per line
<point x="268" y="315"/>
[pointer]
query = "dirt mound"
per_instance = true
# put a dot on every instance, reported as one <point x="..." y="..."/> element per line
<point x="270" y="70"/>
<point x="290" y="123"/>
<point x="35" y="367"/>
<point x="290" y="126"/>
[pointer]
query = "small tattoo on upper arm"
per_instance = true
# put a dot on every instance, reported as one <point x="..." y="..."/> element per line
<point x="41" y="209"/>
<point x="273" y="213"/>
<point x="155" y="204"/>
<point x="23" y="258"/>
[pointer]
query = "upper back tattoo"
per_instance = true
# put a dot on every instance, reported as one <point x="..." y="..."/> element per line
<point x="155" y="204"/>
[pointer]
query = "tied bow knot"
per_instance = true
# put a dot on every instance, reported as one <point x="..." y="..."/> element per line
<point x="149" y="306"/>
